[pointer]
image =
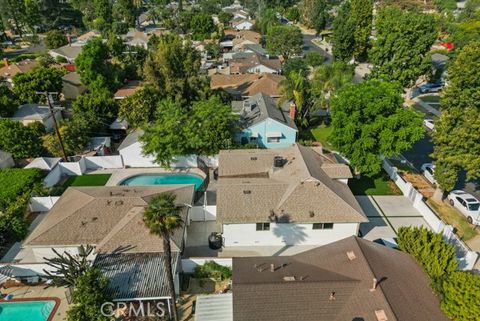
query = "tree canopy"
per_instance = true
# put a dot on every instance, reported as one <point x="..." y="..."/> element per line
<point x="94" y="109"/>
<point x="139" y="108"/>
<point x="284" y="40"/>
<point x="457" y="136"/>
<point x="369" y="121"/>
<point x="19" y="140"/>
<point x="343" y="40"/>
<point x="403" y="40"/>
<point x="55" y="39"/>
<point x="203" y="129"/>
<point x="461" y="294"/>
<point x="8" y="101"/>
<point x="27" y="84"/>
<point x="313" y="14"/>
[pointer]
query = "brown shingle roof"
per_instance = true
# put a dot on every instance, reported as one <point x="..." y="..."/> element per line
<point x="108" y="216"/>
<point x="129" y="89"/>
<point x="402" y="290"/>
<point x="18" y="68"/>
<point x="248" y="84"/>
<point x="242" y="65"/>
<point x="249" y="188"/>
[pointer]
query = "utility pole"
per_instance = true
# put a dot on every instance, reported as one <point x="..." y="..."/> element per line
<point x="55" y="124"/>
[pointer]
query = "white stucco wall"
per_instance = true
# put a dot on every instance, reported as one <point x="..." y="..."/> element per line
<point x="132" y="157"/>
<point x="285" y="234"/>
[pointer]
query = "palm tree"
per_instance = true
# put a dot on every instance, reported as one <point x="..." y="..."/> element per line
<point x="162" y="217"/>
<point x="295" y="88"/>
<point x="327" y="79"/>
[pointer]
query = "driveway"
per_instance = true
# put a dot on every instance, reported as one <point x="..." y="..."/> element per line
<point x="308" y="45"/>
<point x="386" y="215"/>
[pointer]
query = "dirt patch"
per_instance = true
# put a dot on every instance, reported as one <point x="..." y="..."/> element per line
<point x="420" y="183"/>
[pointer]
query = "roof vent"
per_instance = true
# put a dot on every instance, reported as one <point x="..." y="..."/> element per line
<point x="288" y="278"/>
<point x="118" y="203"/>
<point x="312" y="213"/>
<point x="351" y="255"/>
<point x="272" y="267"/>
<point x="247" y="191"/>
<point x="374" y="285"/>
<point x="278" y="161"/>
<point x="381" y="316"/>
<point x="253" y="158"/>
<point x="332" y="296"/>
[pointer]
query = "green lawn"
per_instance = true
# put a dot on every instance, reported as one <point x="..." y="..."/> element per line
<point x="380" y="185"/>
<point x="319" y="134"/>
<point x="87" y="180"/>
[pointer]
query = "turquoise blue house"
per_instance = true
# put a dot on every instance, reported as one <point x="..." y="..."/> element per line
<point x="263" y="123"/>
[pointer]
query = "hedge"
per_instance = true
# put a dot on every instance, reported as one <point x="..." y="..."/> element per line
<point x="14" y="182"/>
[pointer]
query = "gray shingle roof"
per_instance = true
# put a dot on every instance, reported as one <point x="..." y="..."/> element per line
<point x="110" y="217"/>
<point x="137" y="275"/>
<point x="263" y="107"/>
<point x="31" y="112"/>
<point x="70" y="52"/>
<point x="402" y="292"/>
<point x="249" y="188"/>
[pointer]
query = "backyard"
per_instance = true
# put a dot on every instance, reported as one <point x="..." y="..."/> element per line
<point x="87" y="180"/>
<point x="318" y="134"/>
<point x="378" y="185"/>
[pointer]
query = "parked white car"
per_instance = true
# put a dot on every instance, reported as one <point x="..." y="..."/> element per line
<point x="429" y="123"/>
<point x="467" y="204"/>
<point x="428" y="170"/>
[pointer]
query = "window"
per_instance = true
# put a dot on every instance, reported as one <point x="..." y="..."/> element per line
<point x="263" y="226"/>
<point x="273" y="139"/>
<point x="253" y="139"/>
<point x="322" y="226"/>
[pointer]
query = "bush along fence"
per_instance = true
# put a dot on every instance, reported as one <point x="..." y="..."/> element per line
<point x="465" y="256"/>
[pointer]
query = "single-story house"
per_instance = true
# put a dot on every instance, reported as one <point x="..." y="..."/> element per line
<point x="256" y="48"/>
<point x="84" y="38"/>
<point x="72" y="86"/>
<point x="263" y="123"/>
<point x="243" y="24"/>
<point x="352" y="279"/>
<point x="238" y="39"/>
<point x="6" y="160"/>
<point x="69" y="52"/>
<point x="9" y="70"/>
<point x="136" y="38"/>
<point x="235" y="6"/>
<point x="288" y="196"/>
<point x="247" y="85"/>
<point x="111" y="219"/>
<point x="129" y="89"/>
<point x="30" y="113"/>
<point x="255" y="64"/>
<point x="44" y="163"/>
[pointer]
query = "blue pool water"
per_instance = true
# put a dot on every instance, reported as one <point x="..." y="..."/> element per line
<point x="26" y="311"/>
<point x="164" y="179"/>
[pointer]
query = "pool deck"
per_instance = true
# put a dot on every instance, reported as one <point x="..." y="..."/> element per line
<point x="39" y="292"/>
<point x="119" y="175"/>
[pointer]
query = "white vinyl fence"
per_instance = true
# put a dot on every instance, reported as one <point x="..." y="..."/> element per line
<point x="465" y="256"/>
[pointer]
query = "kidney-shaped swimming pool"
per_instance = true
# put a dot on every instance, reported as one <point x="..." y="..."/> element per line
<point x="163" y="179"/>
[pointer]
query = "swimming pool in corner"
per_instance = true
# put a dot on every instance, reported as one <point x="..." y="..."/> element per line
<point x="164" y="179"/>
<point x="26" y="310"/>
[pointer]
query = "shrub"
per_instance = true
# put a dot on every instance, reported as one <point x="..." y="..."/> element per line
<point x="461" y="296"/>
<point x="15" y="182"/>
<point x="211" y="269"/>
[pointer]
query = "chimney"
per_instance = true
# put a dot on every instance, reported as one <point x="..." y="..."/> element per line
<point x="272" y="267"/>
<point x="374" y="285"/>
<point x="292" y="111"/>
<point x="6" y="62"/>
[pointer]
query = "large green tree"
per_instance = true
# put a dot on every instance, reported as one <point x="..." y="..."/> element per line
<point x="74" y="137"/>
<point x="313" y="14"/>
<point x="201" y="26"/>
<point x="361" y="15"/>
<point x="55" y="39"/>
<point x="8" y="101"/>
<point x="94" y="109"/>
<point x="19" y="140"/>
<point x="202" y="129"/>
<point x="139" y="108"/>
<point x="369" y="121"/>
<point x="296" y="88"/>
<point x="163" y="218"/>
<point x="284" y="40"/>
<point x="403" y="40"/>
<point x="174" y="69"/>
<point x="461" y="295"/>
<point x="343" y="39"/>
<point x="40" y="79"/>
<point x="457" y="134"/>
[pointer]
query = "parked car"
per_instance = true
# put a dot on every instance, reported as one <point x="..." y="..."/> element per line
<point x="467" y="204"/>
<point x="428" y="170"/>
<point x="431" y="87"/>
<point x="429" y="123"/>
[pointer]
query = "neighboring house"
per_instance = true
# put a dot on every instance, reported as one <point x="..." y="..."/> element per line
<point x="247" y="85"/>
<point x="136" y="38"/>
<point x="263" y="123"/>
<point x="83" y="39"/>
<point x="9" y="70"/>
<point x="255" y="64"/>
<point x="68" y="52"/>
<point x="111" y="219"/>
<point x="30" y="113"/>
<point x="6" y="160"/>
<point x="283" y="197"/>
<point x="238" y="39"/>
<point x="72" y="86"/>
<point x="242" y="24"/>
<point x="44" y="163"/>
<point x="256" y="48"/>
<point x="129" y="89"/>
<point x="349" y="280"/>
<point x="235" y="6"/>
